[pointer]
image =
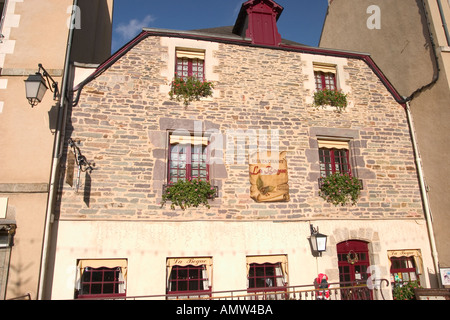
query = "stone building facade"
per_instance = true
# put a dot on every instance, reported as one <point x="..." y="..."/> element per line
<point x="262" y="100"/>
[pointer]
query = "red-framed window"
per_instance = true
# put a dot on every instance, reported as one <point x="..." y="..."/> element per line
<point x="188" y="280"/>
<point x="403" y="269"/>
<point x="187" y="67"/>
<point x="325" y="80"/>
<point x="188" y="159"/>
<point x="334" y="161"/>
<point x="265" y="277"/>
<point x="101" y="283"/>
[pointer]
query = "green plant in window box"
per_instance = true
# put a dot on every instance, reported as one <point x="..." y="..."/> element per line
<point x="340" y="189"/>
<point x="335" y="98"/>
<point x="189" y="89"/>
<point x="188" y="193"/>
<point x="405" y="290"/>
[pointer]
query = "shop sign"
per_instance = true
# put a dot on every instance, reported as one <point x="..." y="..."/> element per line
<point x="268" y="173"/>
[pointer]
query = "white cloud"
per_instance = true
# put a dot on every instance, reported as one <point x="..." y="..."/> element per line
<point x="133" y="27"/>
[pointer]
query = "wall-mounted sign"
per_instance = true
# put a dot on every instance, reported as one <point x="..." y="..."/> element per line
<point x="268" y="177"/>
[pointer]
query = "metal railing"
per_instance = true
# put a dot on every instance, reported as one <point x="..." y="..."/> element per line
<point x="335" y="291"/>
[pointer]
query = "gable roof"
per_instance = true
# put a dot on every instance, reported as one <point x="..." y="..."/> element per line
<point x="222" y="35"/>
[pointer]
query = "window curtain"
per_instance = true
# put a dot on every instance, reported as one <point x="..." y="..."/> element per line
<point x="111" y="263"/>
<point x="281" y="270"/>
<point x="415" y="254"/>
<point x="205" y="263"/>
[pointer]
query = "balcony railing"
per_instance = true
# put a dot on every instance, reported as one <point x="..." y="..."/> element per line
<point x="335" y="291"/>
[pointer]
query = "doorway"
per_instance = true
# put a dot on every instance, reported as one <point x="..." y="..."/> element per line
<point x="353" y="263"/>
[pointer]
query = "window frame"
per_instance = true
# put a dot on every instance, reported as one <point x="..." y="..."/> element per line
<point x="323" y="80"/>
<point x="332" y="164"/>
<point x="200" y="280"/>
<point x="408" y="270"/>
<point x="183" y="55"/>
<point x="188" y="166"/>
<point x="104" y="282"/>
<point x="265" y="266"/>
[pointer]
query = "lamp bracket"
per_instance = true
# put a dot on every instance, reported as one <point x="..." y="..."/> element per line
<point x="53" y="85"/>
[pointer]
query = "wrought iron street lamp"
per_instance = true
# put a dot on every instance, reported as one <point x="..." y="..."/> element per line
<point x="35" y="86"/>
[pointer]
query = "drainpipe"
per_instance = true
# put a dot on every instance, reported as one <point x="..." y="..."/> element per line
<point x="444" y="23"/>
<point x="424" y="194"/>
<point x="62" y="115"/>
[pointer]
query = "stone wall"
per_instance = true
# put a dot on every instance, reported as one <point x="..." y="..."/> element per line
<point x="123" y="116"/>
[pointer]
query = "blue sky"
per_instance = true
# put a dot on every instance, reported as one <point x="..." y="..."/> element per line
<point x="301" y="20"/>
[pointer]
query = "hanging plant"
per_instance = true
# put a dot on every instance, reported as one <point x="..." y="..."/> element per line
<point x="405" y="290"/>
<point x="335" y="98"/>
<point x="188" y="193"/>
<point x="340" y="189"/>
<point x="189" y="89"/>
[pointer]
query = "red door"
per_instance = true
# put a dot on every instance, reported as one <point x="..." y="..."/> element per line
<point x="353" y="262"/>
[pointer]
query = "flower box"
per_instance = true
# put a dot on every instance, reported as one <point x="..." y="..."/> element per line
<point x="335" y="98"/>
<point x="189" y="193"/>
<point x="189" y="89"/>
<point x="340" y="189"/>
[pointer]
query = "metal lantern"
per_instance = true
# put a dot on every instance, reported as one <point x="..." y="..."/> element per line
<point x="35" y="88"/>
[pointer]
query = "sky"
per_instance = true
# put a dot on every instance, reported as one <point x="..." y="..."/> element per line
<point x="301" y="20"/>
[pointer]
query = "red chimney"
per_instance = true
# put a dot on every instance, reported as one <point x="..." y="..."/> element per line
<point x="258" y="20"/>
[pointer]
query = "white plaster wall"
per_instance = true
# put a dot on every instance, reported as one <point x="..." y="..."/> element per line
<point x="147" y="245"/>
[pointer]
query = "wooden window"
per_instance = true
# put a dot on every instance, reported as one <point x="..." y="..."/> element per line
<point x="188" y="158"/>
<point x="334" y="158"/>
<point x="101" y="278"/>
<point x="190" y="63"/>
<point x="403" y="269"/>
<point x="266" y="276"/>
<point x="101" y="282"/>
<point x="189" y="277"/>
<point x="325" y="76"/>
<point x="188" y="280"/>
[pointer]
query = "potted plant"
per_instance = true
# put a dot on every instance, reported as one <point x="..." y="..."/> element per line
<point x="335" y="98"/>
<point x="405" y="290"/>
<point x="189" y="89"/>
<point x="340" y="189"/>
<point x="188" y="193"/>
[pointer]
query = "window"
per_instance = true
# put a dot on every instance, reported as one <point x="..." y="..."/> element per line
<point x="101" y="279"/>
<point x="406" y="266"/>
<point x="402" y="270"/>
<point x="6" y="241"/>
<point x="188" y="276"/>
<point x="334" y="158"/>
<point x="267" y="274"/>
<point x="325" y="76"/>
<point x="188" y="158"/>
<point x="190" y="63"/>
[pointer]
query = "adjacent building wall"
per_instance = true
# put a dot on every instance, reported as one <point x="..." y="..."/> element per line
<point x="36" y="31"/>
<point x="402" y="47"/>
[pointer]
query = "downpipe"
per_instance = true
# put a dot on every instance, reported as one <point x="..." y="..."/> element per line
<point x="62" y="114"/>
<point x="423" y="191"/>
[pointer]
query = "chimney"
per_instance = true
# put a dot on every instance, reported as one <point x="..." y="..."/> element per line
<point x="257" y="20"/>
